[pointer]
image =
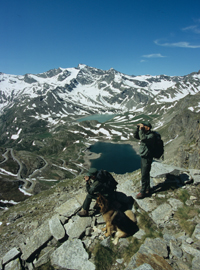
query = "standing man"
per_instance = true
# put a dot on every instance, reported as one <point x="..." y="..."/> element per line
<point x="147" y="142"/>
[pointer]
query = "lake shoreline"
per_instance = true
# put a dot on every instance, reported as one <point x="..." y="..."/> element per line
<point x="91" y="155"/>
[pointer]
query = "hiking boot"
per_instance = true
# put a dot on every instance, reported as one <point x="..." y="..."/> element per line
<point x="83" y="213"/>
<point x="140" y="196"/>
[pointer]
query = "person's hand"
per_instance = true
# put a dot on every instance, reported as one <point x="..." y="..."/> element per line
<point x="87" y="178"/>
<point x="141" y="126"/>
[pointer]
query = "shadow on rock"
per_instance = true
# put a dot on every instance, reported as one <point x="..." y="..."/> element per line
<point x="172" y="181"/>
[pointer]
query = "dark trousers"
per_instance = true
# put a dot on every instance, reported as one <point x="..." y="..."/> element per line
<point x="87" y="201"/>
<point x="145" y="172"/>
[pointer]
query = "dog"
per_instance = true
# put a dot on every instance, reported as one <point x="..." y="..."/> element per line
<point x="122" y="223"/>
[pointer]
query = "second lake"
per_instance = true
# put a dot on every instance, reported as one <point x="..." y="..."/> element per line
<point x="117" y="158"/>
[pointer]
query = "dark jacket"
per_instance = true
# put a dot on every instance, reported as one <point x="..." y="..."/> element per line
<point x="147" y="142"/>
<point x="94" y="188"/>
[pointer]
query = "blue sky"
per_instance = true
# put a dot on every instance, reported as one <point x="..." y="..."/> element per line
<point x="134" y="37"/>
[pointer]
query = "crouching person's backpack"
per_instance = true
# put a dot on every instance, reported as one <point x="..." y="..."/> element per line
<point x="158" y="150"/>
<point x="108" y="181"/>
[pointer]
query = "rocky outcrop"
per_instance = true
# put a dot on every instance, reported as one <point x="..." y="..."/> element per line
<point x="64" y="240"/>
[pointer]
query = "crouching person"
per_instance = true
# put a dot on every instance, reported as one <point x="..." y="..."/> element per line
<point x="97" y="182"/>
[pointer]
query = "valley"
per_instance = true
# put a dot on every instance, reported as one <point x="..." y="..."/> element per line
<point x="46" y="140"/>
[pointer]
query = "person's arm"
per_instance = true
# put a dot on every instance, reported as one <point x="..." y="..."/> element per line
<point x="94" y="188"/>
<point x="146" y="138"/>
<point x="136" y="133"/>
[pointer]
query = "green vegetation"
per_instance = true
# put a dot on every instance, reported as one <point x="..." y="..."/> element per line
<point x="131" y="249"/>
<point x="104" y="256"/>
<point x="183" y="195"/>
<point x="146" y="223"/>
<point x="183" y="215"/>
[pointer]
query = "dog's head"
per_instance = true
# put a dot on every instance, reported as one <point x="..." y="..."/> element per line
<point x="102" y="203"/>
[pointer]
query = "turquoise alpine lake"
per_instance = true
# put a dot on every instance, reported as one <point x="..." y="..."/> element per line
<point x="117" y="158"/>
<point x="101" y="118"/>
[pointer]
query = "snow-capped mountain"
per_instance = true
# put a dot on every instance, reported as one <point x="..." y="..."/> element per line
<point x="85" y="90"/>
<point x="40" y="137"/>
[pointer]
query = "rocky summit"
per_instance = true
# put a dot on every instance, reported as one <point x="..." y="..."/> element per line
<point x="45" y="232"/>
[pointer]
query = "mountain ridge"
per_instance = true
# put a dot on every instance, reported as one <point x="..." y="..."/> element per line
<point x="38" y="116"/>
<point x="84" y="84"/>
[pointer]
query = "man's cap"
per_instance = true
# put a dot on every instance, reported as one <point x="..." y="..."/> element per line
<point x="91" y="171"/>
<point x="146" y="123"/>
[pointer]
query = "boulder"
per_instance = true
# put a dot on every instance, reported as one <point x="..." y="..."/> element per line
<point x="68" y="208"/>
<point x="196" y="232"/>
<point x="77" y="226"/>
<point x="11" y="255"/>
<point x="190" y="250"/>
<point x="162" y="213"/>
<point x="175" y="204"/>
<point x="146" y="204"/>
<point x="36" y="241"/>
<point x="175" y="249"/>
<point x="154" y="246"/>
<point x="139" y="234"/>
<point x="13" y="265"/>
<point x="195" y="174"/>
<point x="159" y="169"/>
<point x="196" y="263"/>
<point x="44" y="258"/>
<point x="71" y="255"/>
<point x="144" y="266"/>
<point x="152" y="252"/>
<point x="56" y="228"/>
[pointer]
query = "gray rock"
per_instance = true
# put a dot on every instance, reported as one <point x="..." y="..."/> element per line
<point x="144" y="266"/>
<point x="37" y="240"/>
<point x="162" y="213"/>
<point x="195" y="176"/>
<point x="196" y="263"/>
<point x="189" y="240"/>
<point x="181" y="237"/>
<point x="77" y="227"/>
<point x="196" y="232"/>
<point x="161" y="196"/>
<point x="146" y="204"/>
<point x="175" y="204"/>
<point x="106" y="242"/>
<point x="120" y="261"/>
<point x="71" y="255"/>
<point x="68" y="208"/>
<point x="160" y="169"/>
<point x="100" y="220"/>
<point x="13" y="265"/>
<point x="154" y="246"/>
<point x="11" y="255"/>
<point x="153" y="251"/>
<point x="182" y="265"/>
<point x="44" y="258"/>
<point x="88" y="231"/>
<point x="168" y="237"/>
<point x="190" y="250"/>
<point x="56" y="228"/>
<point x="189" y="202"/>
<point x="29" y="265"/>
<point x="175" y="249"/>
<point x="123" y="242"/>
<point x="139" y="234"/>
